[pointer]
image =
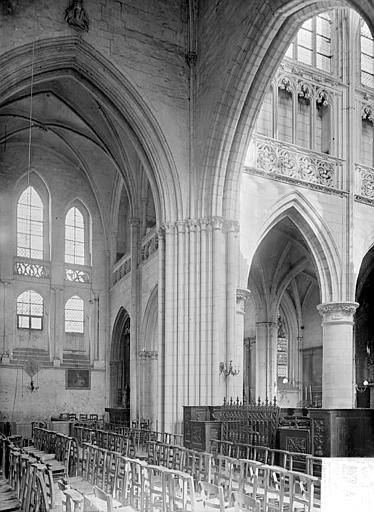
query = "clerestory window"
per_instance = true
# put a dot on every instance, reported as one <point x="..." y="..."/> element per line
<point x="74" y="237"/>
<point x="30" y="224"/>
<point x="312" y="44"/>
<point x="367" y="56"/>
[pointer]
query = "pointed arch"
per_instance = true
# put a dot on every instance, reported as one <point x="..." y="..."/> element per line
<point x="252" y="67"/>
<point x="150" y="322"/>
<point x="317" y="237"/>
<point x="58" y="57"/>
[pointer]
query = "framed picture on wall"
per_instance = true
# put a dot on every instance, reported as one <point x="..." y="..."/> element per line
<point x="76" y="378"/>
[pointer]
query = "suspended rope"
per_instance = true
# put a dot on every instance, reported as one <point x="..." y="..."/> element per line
<point x="31" y="106"/>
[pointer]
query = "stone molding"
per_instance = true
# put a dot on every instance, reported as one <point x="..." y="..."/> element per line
<point x="242" y="296"/>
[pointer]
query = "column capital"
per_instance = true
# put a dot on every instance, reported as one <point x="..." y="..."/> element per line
<point x="337" y="311"/>
<point x="232" y="226"/>
<point x="181" y="226"/>
<point x="242" y="296"/>
<point x="217" y="223"/>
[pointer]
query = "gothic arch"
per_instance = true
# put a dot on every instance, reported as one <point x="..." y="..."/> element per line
<point x="59" y="57"/>
<point x="272" y="28"/>
<point x="317" y="237"/>
<point x="119" y="361"/>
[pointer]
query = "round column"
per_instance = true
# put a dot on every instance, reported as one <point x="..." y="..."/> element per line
<point x="338" y="363"/>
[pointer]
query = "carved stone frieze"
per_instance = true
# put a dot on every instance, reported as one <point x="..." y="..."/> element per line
<point x="149" y="246"/>
<point x="122" y="270"/>
<point x="365" y="181"/>
<point x="277" y="157"/>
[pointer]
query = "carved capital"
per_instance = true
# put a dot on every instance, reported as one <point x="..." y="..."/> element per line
<point x="232" y="226"/>
<point x="241" y="299"/>
<point x="193" y="225"/>
<point x="217" y="223"/>
<point x="204" y="224"/>
<point x="169" y="228"/>
<point x="181" y="226"/>
<point x="337" y="311"/>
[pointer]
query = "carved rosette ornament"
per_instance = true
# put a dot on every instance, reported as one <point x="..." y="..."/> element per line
<point x="337" y="311"/>
<point x="76" y="16"/>
<point x="242" y="296"/>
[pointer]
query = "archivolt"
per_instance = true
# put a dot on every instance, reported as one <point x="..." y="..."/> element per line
<point x="58" y="57"/>
<point x="244" y="91"/>
<point x="317" y="236"/>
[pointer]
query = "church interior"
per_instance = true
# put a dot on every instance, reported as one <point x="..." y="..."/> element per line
<point x="186" y="255"/>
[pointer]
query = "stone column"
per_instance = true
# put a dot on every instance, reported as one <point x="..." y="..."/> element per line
<point x="338" y="355"/>
<point x="266" y="360"/>
<point x="4" y="316"/>
<point x="58" y="315"/>
<point x="134" y="316"/>
<point x="234" y="386"/>
<point x="218" y="310"/>
<point x="160" y="408"/>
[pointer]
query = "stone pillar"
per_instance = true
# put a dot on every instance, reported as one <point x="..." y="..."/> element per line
<point x="219" y="310"/>
<point x="58" y="315"/>
<point x="160" y="408"/>
<point x="4" y="316"/>
<point x="235" y="385"/>
<point x="338" y="391"/>
<point x="252" y="369"/>
<point x="266" y="360"/>
<point x="134" y="317"/>
<point x="170" y="340"/>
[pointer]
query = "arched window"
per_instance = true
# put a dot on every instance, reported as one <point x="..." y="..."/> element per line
<point x="74" y="237"/>
<point x="74" y="315"/>
<point x="312" y="45"/>
<point x="367" y="56"/>
<point x="30" y="219"/>
<point x="30" y="310"/>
